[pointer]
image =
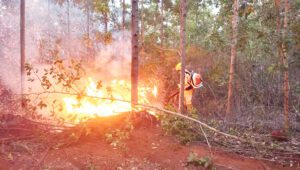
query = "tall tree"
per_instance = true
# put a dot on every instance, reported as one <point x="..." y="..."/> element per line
<point x="123" y="14"/>
<point x="90" y="56"/>
<point x="102" y="6"/>
<point x="278" y="26"/>
<point x="142" y="22"/>
<point x="88" y="18"/>
<point x="183" y="12"/>
<point x="134" y="51"/>
<point x="162" y="23"/>
<point x="282" y="52"/>
<point x="105" y="15"/>
<point x="68" y="17"/>
<point x="68" y="26"/>
<point x="229" y="113"/>
<point x="286" y="66"/>
<point x="22" y="42"/>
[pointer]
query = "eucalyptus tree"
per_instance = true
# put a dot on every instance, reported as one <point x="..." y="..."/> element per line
<point x="134" y="51"/>
<point x="183" y="12"/>
<point x="286" y="66"/>
<point x="232" y="59"/>
<point x="22" y="43"/>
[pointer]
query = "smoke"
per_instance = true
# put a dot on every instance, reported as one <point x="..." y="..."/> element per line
<point x="113" y="60"/>
<point x="9" y="48"/>
<point x="47" y="35"/>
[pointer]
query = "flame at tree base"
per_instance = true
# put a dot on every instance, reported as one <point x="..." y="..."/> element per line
<point x="95" y="106"/>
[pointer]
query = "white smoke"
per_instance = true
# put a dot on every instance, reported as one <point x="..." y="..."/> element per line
<point x="46" y="24"/>
<point x="113" y="60"/>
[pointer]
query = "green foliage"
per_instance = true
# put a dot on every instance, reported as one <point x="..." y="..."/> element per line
<point x="217" y="75"/>
<point x="101" y="6"/>
<point x="116" y="137"/>
<point x="61" y="76"/>
<point x="205" y="162"/>
<point x="185" y="130"/>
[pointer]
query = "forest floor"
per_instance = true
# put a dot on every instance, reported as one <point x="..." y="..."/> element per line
<point x="28" y="144"/>
<point x="148" y="147"/>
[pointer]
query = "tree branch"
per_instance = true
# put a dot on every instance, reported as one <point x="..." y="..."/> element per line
<point x="253" y="143"/>
<point x="149" y="107"/>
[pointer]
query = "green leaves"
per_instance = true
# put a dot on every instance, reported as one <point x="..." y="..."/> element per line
<point x="185" y="130"/>
<point x="205" y="161"/>
<point x="59" y="76"/>
<point x="117" y="137"/>
<point x="101" y="6"/>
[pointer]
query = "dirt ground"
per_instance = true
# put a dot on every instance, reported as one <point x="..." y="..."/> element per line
<point x="147" y="148"/>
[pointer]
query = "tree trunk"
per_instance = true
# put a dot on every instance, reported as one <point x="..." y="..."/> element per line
<point x="278" y="20"/>
<point x="282" y="52"/>
<point x="68" y="17"/>
<point x="135" y="52"/>
<point x="162" y="23"/>
<point x="278" y="27"/>
<point x="229" y="112"/>
<point x="123" y="15"/>
<point x="142" y="23"/>
<point x="183" y="7"/>
<point x="88" y="48"/>
<point x="22" y="43"/>
<point x="105" y="22"/>
<point x="286" y="67"/>
<point x="88" y="19"/>
<point x="48" y="24"/>
<point x="106" y="13"/>
<point x="68" y="20"/>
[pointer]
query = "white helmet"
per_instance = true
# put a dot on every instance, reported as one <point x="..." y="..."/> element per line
<point x="196" y="80"/>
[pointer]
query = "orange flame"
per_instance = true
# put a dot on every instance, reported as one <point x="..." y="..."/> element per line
<point x="154" y="91"/>
<point x="117" y="89"/>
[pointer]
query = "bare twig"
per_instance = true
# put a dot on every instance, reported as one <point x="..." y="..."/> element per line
<point x="209" y="146"/>
<point x="38" y="77"/>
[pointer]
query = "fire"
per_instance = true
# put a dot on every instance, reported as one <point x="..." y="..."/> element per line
<point x="95" y="106"/>
<point x="154" y="91"/>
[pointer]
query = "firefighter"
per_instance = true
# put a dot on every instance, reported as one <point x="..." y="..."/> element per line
<point x="192" y="81"/>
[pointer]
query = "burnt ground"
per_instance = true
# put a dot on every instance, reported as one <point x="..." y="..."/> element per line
<point x="146" y="148"/>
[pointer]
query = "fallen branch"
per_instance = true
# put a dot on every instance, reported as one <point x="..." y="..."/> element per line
<point x="5" y="140"/>
<point x="150" y="107"/>
<point x="197" y="121"/>
<point x="50" y="125"/>
<point x="253" y="143"/>
<point x="208" y="144"/>
<point x="13" y="128"/>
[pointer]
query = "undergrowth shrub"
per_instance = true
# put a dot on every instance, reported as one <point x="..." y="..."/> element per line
<point x="185" y="130"/>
